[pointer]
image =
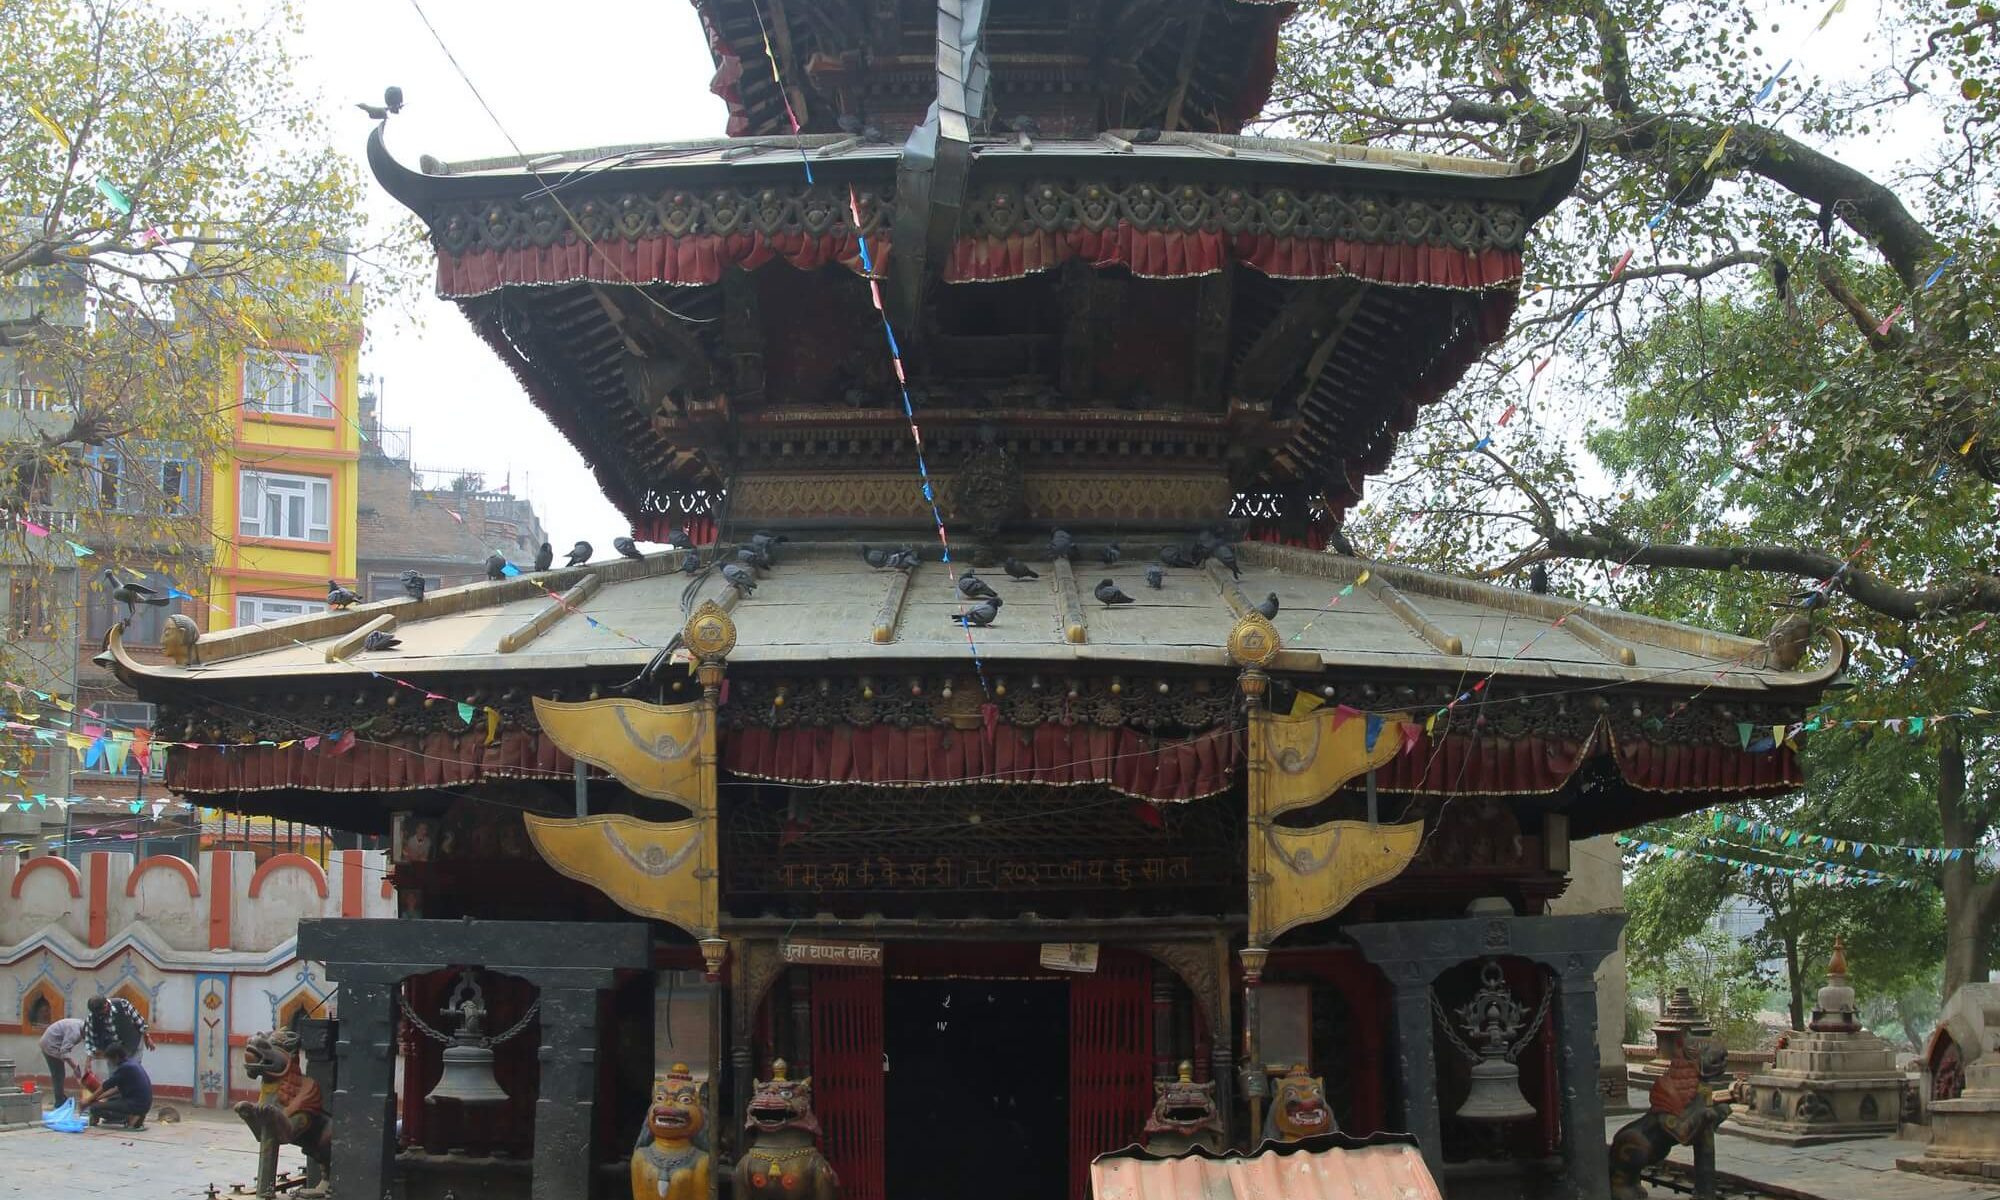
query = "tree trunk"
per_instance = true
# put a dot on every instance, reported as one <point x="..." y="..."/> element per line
<point x="1793" y="982"/>
<point x="1968" y="902"/>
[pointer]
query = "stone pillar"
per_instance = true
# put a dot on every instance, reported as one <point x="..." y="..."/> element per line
<point x="1586" y="1162"/>
<point x="566" y="1104"/>
<point x="17" y="1107"/>
<point x="1416" y="1067"/>
<point x="363" y="1105"/>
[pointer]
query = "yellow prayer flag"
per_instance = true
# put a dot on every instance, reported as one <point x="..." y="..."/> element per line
<point x="1967" y="448"/>
<point x="1305" y="702"/>
<point x="1361" y="579"/>
<point x="1715" y="155"/>
<point x="1777" y="736"/>
<point x="54" y="129"/>
<point x="1831" y="13"/>
<point x="492" y="726"/>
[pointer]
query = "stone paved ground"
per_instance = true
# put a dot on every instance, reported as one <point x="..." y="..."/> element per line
<point x="160" y="1162"/>
<point x="1858" y="1170"/>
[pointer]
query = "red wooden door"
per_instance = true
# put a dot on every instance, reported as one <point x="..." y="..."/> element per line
<point x="1110" y="1060"/>
<point x="847" y="1076"/>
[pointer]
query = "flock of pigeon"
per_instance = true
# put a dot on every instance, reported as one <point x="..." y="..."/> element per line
<point x="742" y="568"/>
<point x="1208" y="544"/>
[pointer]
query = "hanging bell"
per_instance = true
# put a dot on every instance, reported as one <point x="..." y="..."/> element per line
<point x="468" y="1060"/>
<point x="1494" y="1019"/>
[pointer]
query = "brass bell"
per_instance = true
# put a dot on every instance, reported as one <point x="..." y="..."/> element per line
<point x="1495" y="1022"/>
<point x="468" y="1060"/>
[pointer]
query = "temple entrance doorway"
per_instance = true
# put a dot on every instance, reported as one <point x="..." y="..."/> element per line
<point x="977" y="1089"/>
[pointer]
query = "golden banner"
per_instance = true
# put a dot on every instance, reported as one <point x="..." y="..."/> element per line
<point x="1311" y="874"/>
<point x="656" y="750"/>
<point x="655" y="869"/>
<point x="1305" y="759"/>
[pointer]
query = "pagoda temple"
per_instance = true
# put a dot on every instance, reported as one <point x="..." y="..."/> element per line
<point x="1016" y="282"/>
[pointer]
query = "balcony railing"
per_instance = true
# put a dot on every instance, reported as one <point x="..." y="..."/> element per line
<point x="36" y="400"/>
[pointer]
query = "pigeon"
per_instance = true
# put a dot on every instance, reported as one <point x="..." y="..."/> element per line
<point x="413" y="584"/>
<point x="545" y="557"/>
<point x="1025" y="124"/>
<point x="1109" y="554"/>
<point x="131" y="595"/>
<point x="496" y="566"/>
<point x="1155" y="576"/>
<point x="1807" y="600"/>
<point x="691" y="563"/>
<point x="1340" y="544"/>
<point x="849" y="123"/>
<point x="1061" y="545"/>
<point x="1108" y="592"/>
<point x="392" y="102"/>
<point x="1147" y="135"/>
<point x="1226" y="555"/>
<point x="626" y="547"/>
<point x="766" y="539"/>
<point x="904" y="560"/>
<point x="678" y="539"/>
<point x="1178" y="556"/>
<point x="340" y="597"/>
<point x="981" y="614"/>
<point x="874" y="557"/>
<point x="1538" y="580"/>
<point x="579" y="554"/>
<point x="1016" y="569"/>
<point x="754" y="557"/>
<point x="1269" y="607"/>
<point x="381" y="639"/>
<point x="972" y="587"/>
<point x="742" y="578"/>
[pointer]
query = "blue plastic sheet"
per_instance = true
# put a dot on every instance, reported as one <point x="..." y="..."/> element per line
<point x="65" y="1119"/>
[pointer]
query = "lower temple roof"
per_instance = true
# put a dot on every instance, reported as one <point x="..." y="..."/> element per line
<point x="822" y="604"/>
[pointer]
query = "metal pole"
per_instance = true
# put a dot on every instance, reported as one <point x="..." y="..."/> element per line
<point x="582" y="789"/>
<point x="1374" y="815"/>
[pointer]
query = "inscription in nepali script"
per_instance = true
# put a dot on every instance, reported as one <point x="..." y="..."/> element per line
<point x="960" y="873"/>
<point x="832" y="954"/>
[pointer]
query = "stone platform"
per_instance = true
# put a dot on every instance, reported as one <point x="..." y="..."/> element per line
<point x="160" y="1162"/>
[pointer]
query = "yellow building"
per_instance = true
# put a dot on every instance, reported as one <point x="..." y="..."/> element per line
<point x="283" y="502"/>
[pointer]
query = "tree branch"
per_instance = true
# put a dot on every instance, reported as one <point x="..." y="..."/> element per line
<point x="1979" y="592"/>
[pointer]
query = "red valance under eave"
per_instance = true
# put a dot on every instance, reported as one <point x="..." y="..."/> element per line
<point x="407" y="764"/>
<point x="924" y="756"/>
<point x="700" y="258"/>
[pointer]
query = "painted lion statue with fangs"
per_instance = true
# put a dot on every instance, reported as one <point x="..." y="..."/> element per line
<point x="783" y="1161"/>
<point x="1184" y="1115"/>
<point x="671" y="1159"/>
<point x="1298" y="1108"/>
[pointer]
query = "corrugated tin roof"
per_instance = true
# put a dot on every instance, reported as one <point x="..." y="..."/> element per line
<point x="821" y="602"/>
<point x="1319" y="1169"/>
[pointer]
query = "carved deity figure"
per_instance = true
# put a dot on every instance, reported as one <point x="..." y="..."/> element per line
<point x="783" y="1161"/>
<point x="1184" y="1115"/>
<point x="671" y="1159"/>
<point x="289" y="1109"/>
<point x="1684" y="1108"/>
<point x="1298" y="1108"/>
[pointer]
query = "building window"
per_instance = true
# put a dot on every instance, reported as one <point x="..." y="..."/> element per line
<point x="107" y="468"/>
<point x="28" y="607"/>
<point x="390" y="587"/>
<point x="298" y="507"/>
<point x="173" y="487"/>
<point x="280" y="381"/>
<point x="259" y="610"/>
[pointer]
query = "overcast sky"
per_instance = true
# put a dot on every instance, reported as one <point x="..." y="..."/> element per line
<point x="557" y="77"/>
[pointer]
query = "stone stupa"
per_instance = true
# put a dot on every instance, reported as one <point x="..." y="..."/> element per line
<point x="1832" y="1080"/>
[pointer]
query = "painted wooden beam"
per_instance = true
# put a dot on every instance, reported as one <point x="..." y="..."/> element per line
<point x="1612" y="648"/>
<point x="1069" y="604"/>
<point x="890" y="616"/>
<point x="545" y="620"/>
<point x="1416" y="618"/>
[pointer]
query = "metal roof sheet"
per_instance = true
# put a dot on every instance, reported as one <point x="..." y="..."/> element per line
<point x="821" y="602"/>
<point x="1308" y="1171"/>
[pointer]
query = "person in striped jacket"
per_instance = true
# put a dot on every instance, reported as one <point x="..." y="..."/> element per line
<point x="114" y="1022"/>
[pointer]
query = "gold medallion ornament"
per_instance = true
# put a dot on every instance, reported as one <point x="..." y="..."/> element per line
<point x="1254" y="642"/>
<point x="710" y="633"/>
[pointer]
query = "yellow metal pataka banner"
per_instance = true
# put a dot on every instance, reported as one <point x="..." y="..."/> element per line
<point x="661" y="869"/>
<point x="1304" y="875"/>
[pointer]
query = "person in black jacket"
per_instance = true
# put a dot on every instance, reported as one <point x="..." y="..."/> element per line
<point x="127" y="1095"/>
<point x="114" y="1022"/>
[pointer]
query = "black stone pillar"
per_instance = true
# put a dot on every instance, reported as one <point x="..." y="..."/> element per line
<point x="363" y="1107"/>
<point x="1586" y="1161"/>
<point x="1414" y="953"/>
<point x="1415" y="1065"/>
<point x="565" y="1105"/>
